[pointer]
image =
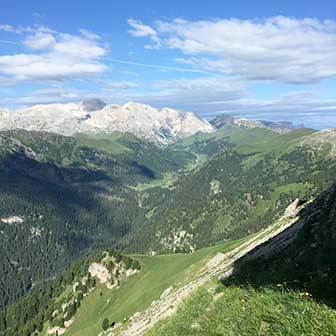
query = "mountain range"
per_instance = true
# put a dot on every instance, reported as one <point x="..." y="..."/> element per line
<point x="94" y="116"/>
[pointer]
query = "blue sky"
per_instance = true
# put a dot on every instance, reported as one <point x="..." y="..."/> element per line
<point x="271" y="60"/>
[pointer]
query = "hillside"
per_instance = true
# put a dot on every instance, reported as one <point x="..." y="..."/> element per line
<point x="303" y="259"/>
<point x="62" y="196"/>
<point x="186" y="298"/>
<point x="246" y="180"/>
<point x="284" y="286"/>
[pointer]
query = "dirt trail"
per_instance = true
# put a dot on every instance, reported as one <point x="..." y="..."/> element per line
<point x="220" y="265"/>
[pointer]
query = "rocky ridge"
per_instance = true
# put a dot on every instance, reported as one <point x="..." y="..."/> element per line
<point x="94" y="117"/>
<point x="221" y="265"/>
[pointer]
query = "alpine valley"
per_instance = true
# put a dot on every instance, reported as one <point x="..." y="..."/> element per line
<point x="133" y="220"/>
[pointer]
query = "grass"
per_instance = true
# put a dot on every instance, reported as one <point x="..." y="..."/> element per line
<point x="215" y="310"/>
<point x="262" y="140"/>
<point x="108" y="143"/>
<point x="170" y="177"/>
<point x="139" y="291"/>
<point x="165" y="182"/>
<point x="291" y="187"/>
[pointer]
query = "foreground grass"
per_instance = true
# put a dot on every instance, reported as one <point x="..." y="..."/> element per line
<point x="217" y="310"/>
<point x="139" y="291"/>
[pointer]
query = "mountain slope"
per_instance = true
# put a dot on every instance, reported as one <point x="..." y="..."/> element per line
<point x="183" y="298"/>
<point x="93" y="117"/>
<point x="303" y="259"/>
<point x="65" y="198"/>
<point x="247" y="183"/>
<point x="293" y="271"/>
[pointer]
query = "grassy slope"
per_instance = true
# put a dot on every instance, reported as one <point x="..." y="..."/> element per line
<point x="139" y="291"/>
<point x="109" y="143"/>
<point x="217" y="310"/>
<point x="263" y="140"/>
<point x="270" y="308"/>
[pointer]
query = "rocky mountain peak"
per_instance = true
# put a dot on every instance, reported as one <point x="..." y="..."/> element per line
<point x="93" y="116"/>
<point x="94" y="104"/>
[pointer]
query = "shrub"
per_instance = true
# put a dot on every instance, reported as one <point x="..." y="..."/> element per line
<point x="105" y="324"/>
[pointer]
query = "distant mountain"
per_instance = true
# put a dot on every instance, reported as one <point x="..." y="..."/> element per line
<point x="222" y="121"/>
<point x="94" y="117"/>
<point x="225" y="120"/>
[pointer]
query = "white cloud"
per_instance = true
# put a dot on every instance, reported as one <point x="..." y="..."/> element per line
<point x="56" y="56"/>
<point x="138" y="29"/>
<point x="6" y="28"/>
<point x="88" y="34"/>
<point x="278" y="48"/>
<point x="40" y="41"/>
<point x="186" y="94"/>
<point x="120" y="85"/>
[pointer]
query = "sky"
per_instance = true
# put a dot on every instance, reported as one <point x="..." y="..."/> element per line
<point x="268" y="60"/>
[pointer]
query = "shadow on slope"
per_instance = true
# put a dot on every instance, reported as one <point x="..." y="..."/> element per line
<point x="303" y="257"/>
<point x="62" y="212"/>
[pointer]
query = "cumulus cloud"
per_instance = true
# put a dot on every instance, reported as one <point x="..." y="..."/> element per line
<point x="278" y="49"/>
<point x="40" y="41"/>
<point x="54" y="56"/>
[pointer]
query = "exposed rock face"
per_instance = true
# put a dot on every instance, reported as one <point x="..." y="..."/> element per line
<point x="93" y="116"/>
<point x="222" y="120"/>
<point x="278" y="126"/>
<point x="99" y="271"/>
<point x="90" y="105"/>
<point x="246" y="123"/>
<point x="177" y="241"/>
<point x="292" y="209"/>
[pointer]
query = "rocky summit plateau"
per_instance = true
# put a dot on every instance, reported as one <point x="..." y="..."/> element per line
<point x="94" y="116"/>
